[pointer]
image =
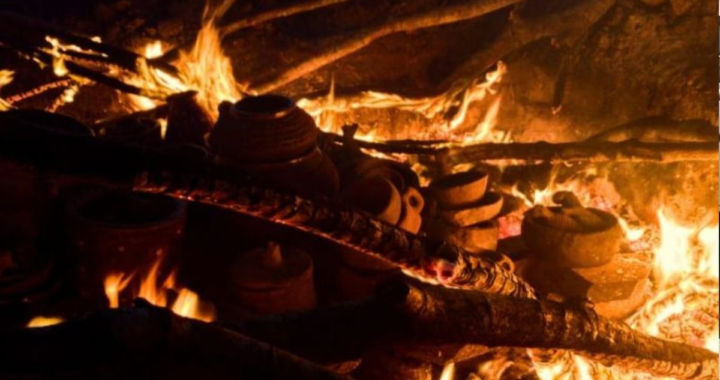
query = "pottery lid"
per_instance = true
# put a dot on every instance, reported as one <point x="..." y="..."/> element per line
<point x="271" y="267"/>
<point x="264" y="107"/>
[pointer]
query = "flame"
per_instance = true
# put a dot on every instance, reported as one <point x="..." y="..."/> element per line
<point x="204" y="69"/>
<point x="156" y="289"/>
<point x="437" y="109"/>
<point x="41" y="321"/>
<point x="6" y="77"/>
<point x="448" y="372"/>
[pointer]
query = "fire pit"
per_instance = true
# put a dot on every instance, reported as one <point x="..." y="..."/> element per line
<point x="343" y="189"/>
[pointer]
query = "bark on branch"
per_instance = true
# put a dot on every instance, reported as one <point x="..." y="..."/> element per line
<point x="585" y="151"/>
<point x="260" y="18"/>
<point x="334" y="50"/>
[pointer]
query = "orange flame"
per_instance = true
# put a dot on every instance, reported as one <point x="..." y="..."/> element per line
<point x="155" y="289"/>
<point x="44" y="322"/>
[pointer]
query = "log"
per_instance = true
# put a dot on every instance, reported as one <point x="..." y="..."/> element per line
<point x="129" y="340"/>
<point x="555" y="153"/>
<point x="442" y="315"/>
<point x="206" y="181"/>
<point x="334" y="50"/>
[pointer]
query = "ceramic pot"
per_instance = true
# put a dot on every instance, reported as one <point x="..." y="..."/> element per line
<point x="573" y="248"/>
<point x="119" y="232"/>
<point x="263" y="129"/>
<point x="413" y="204"/>
<point x="459" y="190"/>
<point x="376" y="196"/>
<point x="273" y="280"/>
<point x="482" y="211"/>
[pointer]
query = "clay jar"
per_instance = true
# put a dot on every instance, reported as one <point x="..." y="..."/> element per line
<point x="263" y="129"/>
<point x="571" y="248"/>
<point x="270" y="137"/>
<point x="377" y="196"/>
<point x="273" y="280"/>
<point x="120" y="232"/>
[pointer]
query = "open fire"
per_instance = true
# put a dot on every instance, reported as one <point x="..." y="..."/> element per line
<point x="679" y="297"/>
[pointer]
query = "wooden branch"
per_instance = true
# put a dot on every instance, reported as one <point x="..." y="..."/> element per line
<point x="584" y="151"/>
<point x="137" y="338"/>
<point x="521" y="32"/>
<point x="334" y="50"/>
<point x="444" y="315"/>
<point x="24" y="33"/>
<point x="273" y="14"/>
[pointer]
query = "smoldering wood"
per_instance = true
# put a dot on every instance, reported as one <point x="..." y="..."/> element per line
<point x="335" y="49"/>
<point x="450" y="315"/>
<point x="130" y="340"/>
<point x="217" y="185"/>
<point x="25" y="33"/>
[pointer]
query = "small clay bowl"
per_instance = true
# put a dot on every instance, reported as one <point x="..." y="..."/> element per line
<point x="376" y="196"/>
<point x="461" y="189"/>
<point x="573" y="249"/>
<point x="481" y="211"/>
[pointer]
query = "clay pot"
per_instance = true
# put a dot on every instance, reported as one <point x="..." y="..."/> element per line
<point x="263" y="129"/>
<point x="364" y="167"/>
<point x="459" y="190"/>
<point x="376" y="196"/>
<point x="311" y="173"/>
<point x="464" y="216"/>
<point x="413" y="204"/>
<point x="574" y="249"/>
<point x="118" y="232"/>
<point x="475" y="239"/>
<point x="273" y="280"/>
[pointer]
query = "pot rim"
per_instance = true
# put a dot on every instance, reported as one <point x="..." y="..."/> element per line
<point x="606" y="216"/>
<point x="278" y="106"/>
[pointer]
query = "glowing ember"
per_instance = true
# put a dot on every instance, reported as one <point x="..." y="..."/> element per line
<point x="6" y="77"/>
<point x="44" y="322"/>
<point x="157" y="290"/>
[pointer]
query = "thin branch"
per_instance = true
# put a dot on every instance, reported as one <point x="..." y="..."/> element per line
<point x="273" y="14"/>
<point x="334" y="50"/>
<point x="586" y="151"/>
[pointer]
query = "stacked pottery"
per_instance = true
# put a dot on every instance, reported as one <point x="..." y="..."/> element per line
<point x="576" y="252"/>
<point x="464" y="212"/>
<point x="273" y="280"/>
<point x="360" y="274"/>
<point x="272" y="138"/>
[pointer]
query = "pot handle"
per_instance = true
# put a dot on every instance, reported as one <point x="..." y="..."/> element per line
<point x="412" y="199"/>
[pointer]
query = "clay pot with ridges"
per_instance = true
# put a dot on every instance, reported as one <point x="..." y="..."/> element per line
<point x="262" y="129"/>
<point x="574" y="249"/>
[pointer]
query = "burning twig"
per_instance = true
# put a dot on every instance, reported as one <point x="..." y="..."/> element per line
<point x="62" y="83"/>
<point x="335" y="50"/>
